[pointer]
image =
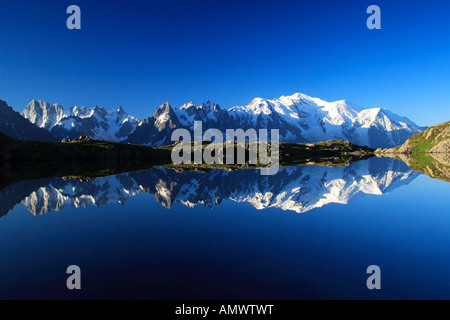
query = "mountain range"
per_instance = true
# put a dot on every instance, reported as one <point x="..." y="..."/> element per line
<point x="299" y="118"/>
<point x="99" y="123"/>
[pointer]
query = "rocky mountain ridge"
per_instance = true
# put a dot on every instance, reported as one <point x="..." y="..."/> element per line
<point x="299" y="118"/>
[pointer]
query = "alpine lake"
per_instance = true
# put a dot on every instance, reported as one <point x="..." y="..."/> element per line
<point x="307" y="232"/>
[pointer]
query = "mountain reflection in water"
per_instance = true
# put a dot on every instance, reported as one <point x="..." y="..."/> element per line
<point x="296" y="188"/>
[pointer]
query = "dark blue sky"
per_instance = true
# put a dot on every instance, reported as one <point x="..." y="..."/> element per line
<point x="139" y="54"/>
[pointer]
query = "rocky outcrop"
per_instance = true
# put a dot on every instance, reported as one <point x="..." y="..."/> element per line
<point x="441" y="147"/>
<point x="435" y="139"/>
<point x="434" y="165"/>
<point x="156" y="130"/>
<point x="14" y="125"/>
<point x="427" y="152"/>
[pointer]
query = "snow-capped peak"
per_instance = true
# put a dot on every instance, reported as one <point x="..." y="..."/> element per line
<point x="187" y="105"/>
<point x="98" y="122"/>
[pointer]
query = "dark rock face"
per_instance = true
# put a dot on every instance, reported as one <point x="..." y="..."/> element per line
<point x="156" y="130"/>
<point x="14" y="125"/>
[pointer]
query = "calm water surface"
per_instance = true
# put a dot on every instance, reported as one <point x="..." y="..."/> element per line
<point x="305" y="233"/>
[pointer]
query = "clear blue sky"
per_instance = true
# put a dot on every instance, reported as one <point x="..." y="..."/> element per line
<point x="139" y="54"/>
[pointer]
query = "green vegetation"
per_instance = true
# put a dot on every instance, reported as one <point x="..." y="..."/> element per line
<point x="435" y="139"/>
<point x="427" y="163"/>
<point x="427" y="151"/>
<point x="429" y="138"/>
